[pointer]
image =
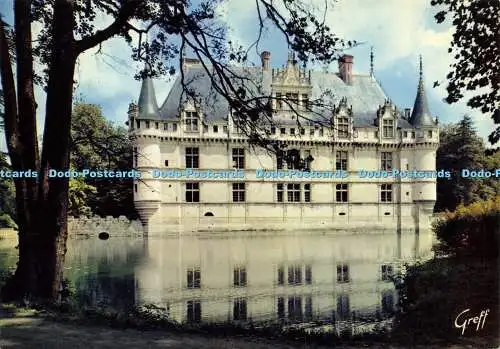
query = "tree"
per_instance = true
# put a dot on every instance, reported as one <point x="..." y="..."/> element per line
<point x="476" y="49"/>
<point x="68" y="31"/>
<point x="462" y="148"/>
<point x="96" y="143"/>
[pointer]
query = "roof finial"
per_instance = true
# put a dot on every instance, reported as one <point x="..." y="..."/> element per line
<point x="371" y="61"/>
<point x="421" y="68"/>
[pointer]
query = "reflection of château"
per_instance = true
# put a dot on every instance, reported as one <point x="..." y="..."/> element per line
<point x="278" y="278"/>
<point x="364" y="130"/>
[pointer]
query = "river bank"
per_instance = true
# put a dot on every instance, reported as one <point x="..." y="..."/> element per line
<point x="28" y="329"/>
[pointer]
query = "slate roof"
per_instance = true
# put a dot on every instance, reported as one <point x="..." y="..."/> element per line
<point x="364" y="94"/>
<point x="421" y="115"/>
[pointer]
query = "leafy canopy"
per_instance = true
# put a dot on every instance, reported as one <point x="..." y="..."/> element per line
<point x="476" y="49"/>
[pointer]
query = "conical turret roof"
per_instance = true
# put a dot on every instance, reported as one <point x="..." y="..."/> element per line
<point x="421" y="115"/>
<point x="148" y="106"/>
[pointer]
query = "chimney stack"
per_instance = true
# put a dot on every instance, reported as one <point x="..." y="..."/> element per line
<point x="407" y="113"/>
<point x="345" y="68"/>
<point x="266" y="60"/>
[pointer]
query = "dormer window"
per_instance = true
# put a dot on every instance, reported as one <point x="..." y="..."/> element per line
<point x="293" y="99"/>
<point x="343" y="127"/>
<point x="191" y="121"/>
<point x="279" y="101"/>
<point x="305" y="102"/>
<point x="388" y="128"/>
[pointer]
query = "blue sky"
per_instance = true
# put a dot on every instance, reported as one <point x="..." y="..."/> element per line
<point x="398" y="30"/>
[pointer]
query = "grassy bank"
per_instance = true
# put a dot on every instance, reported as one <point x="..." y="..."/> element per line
<point x="463" y="275"/>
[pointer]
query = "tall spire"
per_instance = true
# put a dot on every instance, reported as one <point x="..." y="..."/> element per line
<point x="421" y="115"/>
<point x="371" y="61"/>
<point x="148" y="106"/>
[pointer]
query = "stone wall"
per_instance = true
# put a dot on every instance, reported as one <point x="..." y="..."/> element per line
<point x="120" y="226"/>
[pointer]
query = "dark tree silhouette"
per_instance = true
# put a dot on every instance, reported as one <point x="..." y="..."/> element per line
<point x="476" y="49"/>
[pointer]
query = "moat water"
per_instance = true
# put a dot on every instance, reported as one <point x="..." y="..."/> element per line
<point x="340" y="282"/>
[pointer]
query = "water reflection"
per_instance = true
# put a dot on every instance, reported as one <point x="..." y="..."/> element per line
<point x="288" y="279"/>
<point x="327" y="279"/>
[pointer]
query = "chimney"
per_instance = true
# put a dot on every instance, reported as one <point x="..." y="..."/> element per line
<point x="407" y="113"/>
<point x="266" y="59"/>
<point x="345" y="68"/>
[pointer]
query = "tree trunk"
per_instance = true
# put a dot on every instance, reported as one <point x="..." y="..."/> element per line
<point x="43" y="212"/>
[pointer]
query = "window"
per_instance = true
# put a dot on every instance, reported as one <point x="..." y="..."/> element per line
<point x="166" y="163"/>
<point x="193" y="311"/>
<point x="192" y="192"/>
<point x="293" y="159"/>
<point x="292" y="131"/>
<point x="386" y="161"/>
<point x="240" y="309"/>
<point x="191" y="121"/>
<point x="174" y="127"/>
<point x="282" y="130"/>
<point x="279" y="193"/>
<point x="343" y="127"/>
<point x="216" y="128"/>
<point x="429" y="134"/>
<point x="138" y="122"/>
<point x="279" y="159"/>
<point x="135" y="188"/>
<point x="302" y="131"/>
<point x="386" y="193"/>
<point x="293" y="192"/>
<point x="321" y="133"/>
<point x="341" y="157"/>
<point x="136" y="157"/>
<point x="293" y="99"/>
<point x="307" y="192"/>
<point x="295" y="308"/>
<point x="238" y="122"/>
<point x="387" y="302"/>
<point x="342" y="273"/>
<point x="308" y="276"/>
<point x="343" y="308"/>
<point x="413" y="134"/>
<point x="281" y="308"/>
<point x="405" y="134"/>
<point x="239" y="158"/>
<point x="273" y="130"/>
<point x="192" y="158"/>
<point x="311" y="132"/>
<point x="240" y="276"/>
<point x="281" y="275"/>
<point x="295" y="275"/>
<point x="308" y="310"/>
<point x="279" y="101"/>
<point x="147" y="123"/>
<point x="165" y="126"/>
<point x="193" y="277"/>
<point x="388" y="128"/>
<point x="157" y="125"/>
<point x="238" y="192"/>
<point x="341" y="192"/>
<point x="305" y="101"/>
<point x="375" y="134"/>
<point x="205" y="128"/>
<point x="307" y="160"/>
<point x="386" y="272"/>
<point x="224" y="129"/>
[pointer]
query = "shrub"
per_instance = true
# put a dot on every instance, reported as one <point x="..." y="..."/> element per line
<point x="471" y="230"/>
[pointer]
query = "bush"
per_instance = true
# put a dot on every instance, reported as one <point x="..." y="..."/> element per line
<point x="471" y="230"/>
<point x="7" y="222"/>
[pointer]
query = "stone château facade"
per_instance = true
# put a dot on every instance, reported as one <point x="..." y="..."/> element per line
<point x="363" y="131"/>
